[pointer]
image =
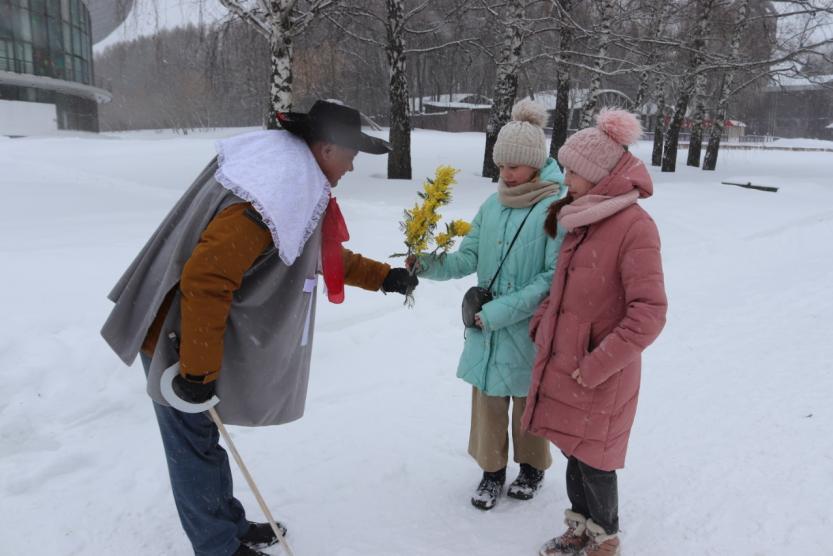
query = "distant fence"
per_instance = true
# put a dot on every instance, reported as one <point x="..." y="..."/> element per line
<point x="757" y="139"/>
<point x="686" y="138"/>
<point x="760" y="147"/>
<point x="744" y="143"/>
<point x="474" y="120"/>
<point x="453" y="120"/>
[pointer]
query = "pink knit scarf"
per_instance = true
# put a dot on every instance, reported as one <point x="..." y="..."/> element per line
<point x="593" y="208"/>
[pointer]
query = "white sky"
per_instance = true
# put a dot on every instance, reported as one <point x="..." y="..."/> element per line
<point x="148" y="16"/>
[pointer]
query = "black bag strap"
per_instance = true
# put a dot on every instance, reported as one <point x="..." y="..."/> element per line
<point x="492" y="283"/>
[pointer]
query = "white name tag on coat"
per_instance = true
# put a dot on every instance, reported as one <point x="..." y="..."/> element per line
<point x="309" y="287"/>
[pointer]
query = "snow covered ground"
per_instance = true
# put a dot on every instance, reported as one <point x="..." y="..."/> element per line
<point x="803" y="143"/>
<point x="732" y="452"/>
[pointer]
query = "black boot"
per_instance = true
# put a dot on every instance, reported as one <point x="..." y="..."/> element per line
<point x="260" y="535"/>
<point x="489" y="489"/>
<point x="527" y="484"/>
<point x="244" y="550"/>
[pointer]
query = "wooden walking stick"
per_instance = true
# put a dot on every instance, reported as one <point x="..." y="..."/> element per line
<point x="243" y="469"/>
<point x="165" y="386"/>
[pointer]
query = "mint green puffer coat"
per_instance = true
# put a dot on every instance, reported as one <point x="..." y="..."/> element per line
<point x="498" y="360"/>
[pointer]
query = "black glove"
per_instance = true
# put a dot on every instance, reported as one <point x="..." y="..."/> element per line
<point x="399" y="280"/>
<point x="193" y="392"/>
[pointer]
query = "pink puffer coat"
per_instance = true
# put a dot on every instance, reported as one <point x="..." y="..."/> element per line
<point x="606" y="305"/>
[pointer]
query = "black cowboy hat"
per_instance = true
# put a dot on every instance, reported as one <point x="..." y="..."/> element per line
<point x="334" y="123"/>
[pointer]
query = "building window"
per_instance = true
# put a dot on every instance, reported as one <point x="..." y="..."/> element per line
<point x="53" y="8"/>
<point x="67" y="35"/>
<point x="23" y="30"/>
<point x="38" y="6"/>
<point x="43" y="65"/>
<point x="49" y="38"/>
<point x="76" y="42"/>
<point x="6" y="22"/>
<point x="24" y="61"/>
<point x="55" y="34"/>
<point x="6" y="55"/>
<point x="39" y="37"/>
<point x="77" y="20"/>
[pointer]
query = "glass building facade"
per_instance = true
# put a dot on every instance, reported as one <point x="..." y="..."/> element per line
<point x="50" y="39"/>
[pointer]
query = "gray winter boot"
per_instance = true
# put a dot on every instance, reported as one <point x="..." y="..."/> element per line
<point x="572" y="541"/>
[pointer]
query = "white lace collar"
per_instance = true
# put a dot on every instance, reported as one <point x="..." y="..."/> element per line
<point x="276" y="172"/>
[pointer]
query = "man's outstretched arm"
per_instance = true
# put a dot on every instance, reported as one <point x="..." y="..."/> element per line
<point x="368" y="274"/>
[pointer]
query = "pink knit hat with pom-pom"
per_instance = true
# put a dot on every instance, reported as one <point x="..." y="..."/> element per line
<point x="593" y="152"/>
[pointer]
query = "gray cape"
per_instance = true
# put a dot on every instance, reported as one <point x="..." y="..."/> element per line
<point x="268" y="339"/>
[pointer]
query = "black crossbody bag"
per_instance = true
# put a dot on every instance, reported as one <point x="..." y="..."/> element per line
<point x="476" y="297"/>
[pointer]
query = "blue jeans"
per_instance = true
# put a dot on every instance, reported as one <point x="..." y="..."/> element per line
<point x="200" y="475"/>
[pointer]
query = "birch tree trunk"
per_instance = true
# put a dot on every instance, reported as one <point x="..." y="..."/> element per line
<point x="561" y="119"/>
<point x="672" y="139"/>
<point x="695" y="143"/>
<point x="506" y="85"/>
<point x="591" y="99"/>
<point x="659" y="129"/>
<point x="280" y="79"/>
<point x="278" y="21"/>
<point x="648" y="78"/>
<point x="710" y="161"/>
<point x="669" y="156"/>
<point x="641" y="93"/>
<point x="399" y="160"/>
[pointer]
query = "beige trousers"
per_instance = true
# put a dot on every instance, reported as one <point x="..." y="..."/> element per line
<point x="489" y="440"/>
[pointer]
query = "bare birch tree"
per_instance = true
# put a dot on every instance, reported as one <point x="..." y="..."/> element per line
<point x="561" y="118"/>
<point x="659" y="127"/>
<point x="710" y="161"/>
<point x="658" y="13"/>
<point x="506" y="83"/>
<point x="689" y="82"/>
<point x="280" y="22"/>
<point x="695" y="142"/>
<point x="606" y="12"/>
<point x="651" y="81"/>
<point x="399" y="161"/>
<point x="395" y="22"/>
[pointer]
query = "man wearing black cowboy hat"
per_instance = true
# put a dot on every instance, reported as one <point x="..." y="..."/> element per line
<point x="226" y="287"/>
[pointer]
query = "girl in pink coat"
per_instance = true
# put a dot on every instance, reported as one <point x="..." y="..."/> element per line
<point x="606" y="305"/>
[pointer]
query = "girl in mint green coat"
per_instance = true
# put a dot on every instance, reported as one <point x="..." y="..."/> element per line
<point x="498" y="354"/>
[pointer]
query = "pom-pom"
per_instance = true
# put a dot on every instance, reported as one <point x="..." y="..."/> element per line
<point x="620" y="125"/>
<point x="530" y="111"/>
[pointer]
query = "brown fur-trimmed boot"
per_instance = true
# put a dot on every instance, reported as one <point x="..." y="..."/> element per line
<point x="572" y="541"/>
<point x="600" y="542"/>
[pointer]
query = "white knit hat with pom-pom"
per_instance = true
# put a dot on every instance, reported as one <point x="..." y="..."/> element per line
<point x="521" y="142"/>
<point x="593" y="152"/>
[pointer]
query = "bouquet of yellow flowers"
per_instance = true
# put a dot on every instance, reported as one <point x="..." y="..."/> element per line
<point x="421" y="221"/>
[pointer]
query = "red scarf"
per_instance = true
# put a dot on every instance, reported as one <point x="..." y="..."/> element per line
<point x="333" y="234"/>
